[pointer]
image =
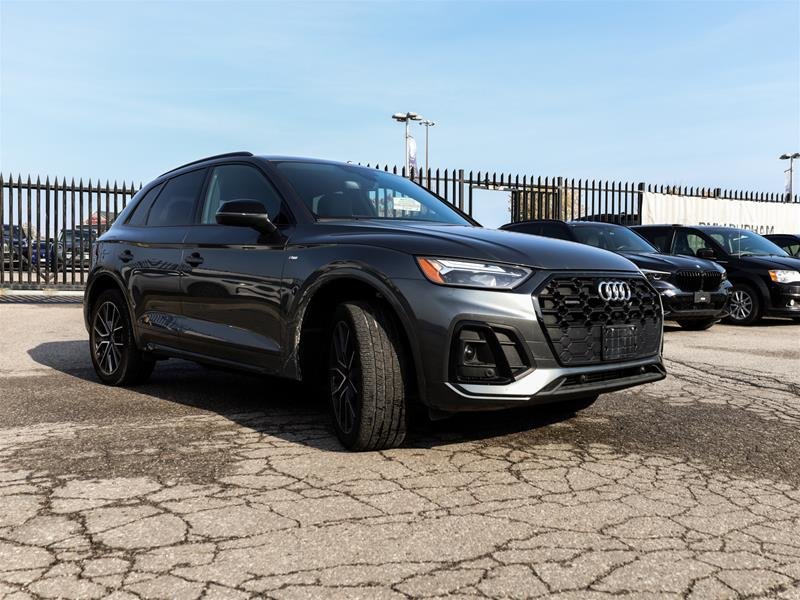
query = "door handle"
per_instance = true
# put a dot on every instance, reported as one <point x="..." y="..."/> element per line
<point x="194" y="259"/>
<point x="126" y="256"/>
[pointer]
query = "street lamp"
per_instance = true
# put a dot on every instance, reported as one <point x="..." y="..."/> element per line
<point x="406" y="118"/>
<point x="427" y="124"/>
<point x="790" y="158"/>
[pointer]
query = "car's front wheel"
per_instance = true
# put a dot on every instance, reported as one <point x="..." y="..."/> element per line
<point x="115" y="357"/>
<point x="367" y="378"/>
<point x="696" y="324"/>
<point x="745" y="306"/>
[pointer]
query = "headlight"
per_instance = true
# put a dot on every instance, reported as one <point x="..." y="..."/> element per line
<point x="784" y="276"/>
<point x="451" y="271"/>
<point x="655" y="275"/>
<point x="724" y="276"/>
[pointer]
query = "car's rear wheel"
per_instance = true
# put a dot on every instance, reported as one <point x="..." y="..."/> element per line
<point x="696" y="324"/>
<point x="115" y="357"/>
<point x="745" y="306"/>
<point x="367" y="378"/>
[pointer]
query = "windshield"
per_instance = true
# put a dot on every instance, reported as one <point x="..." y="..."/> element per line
<point x="612" y="237"/>
<point x="334" y="191"/>
<point x="741" y="242"/>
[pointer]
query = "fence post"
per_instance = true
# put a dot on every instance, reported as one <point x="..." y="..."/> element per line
<point x="461" y="189"/>
<point x="640" y="192"/>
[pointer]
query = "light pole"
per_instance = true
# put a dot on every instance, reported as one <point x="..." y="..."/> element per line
<point x="406" y="118"/>
<point x="427" y="124"/>
<point x="790" y="158"/>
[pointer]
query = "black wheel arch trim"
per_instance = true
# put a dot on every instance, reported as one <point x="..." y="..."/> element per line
<point x="382" y="285"/>
<point x="105" y="275"/>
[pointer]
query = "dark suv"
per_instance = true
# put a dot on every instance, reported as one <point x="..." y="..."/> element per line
<point x="367" y="284"/>
<point x="694" y="291"/>
<point x="766" y="280"/>
<point x="787" y="242"/>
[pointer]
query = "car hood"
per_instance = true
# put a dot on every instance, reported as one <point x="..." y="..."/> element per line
<point x="669" y="263"/>
<point x="459" y="241"/>
<point x="772" y="262"/>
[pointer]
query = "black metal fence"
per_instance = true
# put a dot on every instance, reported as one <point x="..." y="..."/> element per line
<point x="48" y="227"/>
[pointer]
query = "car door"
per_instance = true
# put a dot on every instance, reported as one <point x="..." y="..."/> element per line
<point x="232" y="288"/>
<point x="149" y="251"/>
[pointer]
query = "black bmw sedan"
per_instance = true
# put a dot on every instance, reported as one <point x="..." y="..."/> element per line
<point x="694" y="291"/>
<point x="366" y="285"/>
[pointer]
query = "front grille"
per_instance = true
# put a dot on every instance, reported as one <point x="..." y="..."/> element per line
<point x="575" y="316"/>
<point x="695" y="280"/>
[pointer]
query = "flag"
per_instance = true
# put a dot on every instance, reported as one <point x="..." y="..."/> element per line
<point x="412" y="152"/>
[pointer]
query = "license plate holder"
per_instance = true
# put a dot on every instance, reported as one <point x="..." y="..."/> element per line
<point x="702" y="297"/>
<point x="619" y="342"/>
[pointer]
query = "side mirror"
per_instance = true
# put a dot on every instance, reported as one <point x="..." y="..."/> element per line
<point x="705" y="253"/>
<point x="245" y="213"/>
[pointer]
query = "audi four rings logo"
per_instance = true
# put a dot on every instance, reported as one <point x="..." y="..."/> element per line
<point x="614" y="291"/>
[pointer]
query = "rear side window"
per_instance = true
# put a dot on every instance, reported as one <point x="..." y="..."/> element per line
<point x="139" y="216"/>
<point x="175" y="204"/>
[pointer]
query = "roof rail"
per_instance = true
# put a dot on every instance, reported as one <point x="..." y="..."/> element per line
<point x="194" y="162"/>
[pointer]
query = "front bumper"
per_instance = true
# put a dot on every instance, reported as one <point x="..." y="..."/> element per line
<point x="680" y="304"/>
<point x="785" y="300"/>
<point x="445" y="309"/>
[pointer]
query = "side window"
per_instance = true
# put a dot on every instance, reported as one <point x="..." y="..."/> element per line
<point x="175" y="204"/>
<point x="239" y="182"/>
<point x="139" y="215"/>
<point x="688" y="242"/>
<point x="792" y="248"/>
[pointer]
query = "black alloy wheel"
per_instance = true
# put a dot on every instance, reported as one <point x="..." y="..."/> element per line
<point x="345" y="378"/>
<point x="115" y="357"/>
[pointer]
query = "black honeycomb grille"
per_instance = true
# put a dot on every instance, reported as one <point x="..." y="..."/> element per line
<point x="574" y="316"/>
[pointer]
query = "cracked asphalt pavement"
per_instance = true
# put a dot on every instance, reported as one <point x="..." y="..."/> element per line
<point x="206" y="484"/>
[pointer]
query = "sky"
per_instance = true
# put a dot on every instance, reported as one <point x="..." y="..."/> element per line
<point x="691" y="93"/>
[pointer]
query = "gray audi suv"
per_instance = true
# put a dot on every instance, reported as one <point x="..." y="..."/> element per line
<point x="367" y="286"/>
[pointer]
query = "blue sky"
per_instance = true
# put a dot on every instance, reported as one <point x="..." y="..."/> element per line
<point x="696" y="93"/>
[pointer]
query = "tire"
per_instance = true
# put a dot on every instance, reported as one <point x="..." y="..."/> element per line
<point x="115" y="356"/>
<point x="745" y="305"/>
<point x="367" y="378"/>
<point x="696" y="324"/>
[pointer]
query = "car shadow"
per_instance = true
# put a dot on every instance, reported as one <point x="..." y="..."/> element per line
<point x="641" y="421"/>
<point x="239" y="396"/>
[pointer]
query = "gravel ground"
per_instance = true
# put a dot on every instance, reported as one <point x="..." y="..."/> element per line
<point x="208" y="484"/>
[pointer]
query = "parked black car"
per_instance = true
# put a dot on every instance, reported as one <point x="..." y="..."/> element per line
<point x="367" y="283"/>
<point x="787" y="242"/>
<point x="74" y="247"/>
<point x="766" y="280"/>
<point x="14" y="246"/>
<point x="694" y="291"/>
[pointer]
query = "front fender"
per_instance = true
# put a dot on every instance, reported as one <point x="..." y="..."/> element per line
<point x="368" y="274"/>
